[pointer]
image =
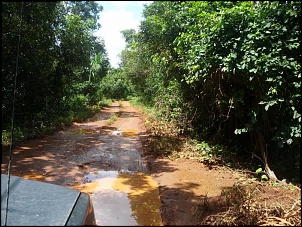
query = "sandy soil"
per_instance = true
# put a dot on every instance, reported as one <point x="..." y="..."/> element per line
<point x="183" y="184"/>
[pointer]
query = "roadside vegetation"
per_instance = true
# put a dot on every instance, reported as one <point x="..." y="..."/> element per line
<point x="226" y="73"/>
<point x="253" y="200"/>
<point x="221" y="81"/>
<point x="59" y="79"/>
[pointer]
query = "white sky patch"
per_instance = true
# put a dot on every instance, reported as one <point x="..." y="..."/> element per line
<point x="116" y="17"/>
<point x="120" y="4"/>
<point x="119" y="20"/>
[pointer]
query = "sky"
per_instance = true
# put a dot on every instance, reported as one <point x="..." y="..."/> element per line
<point x="116" y="17"/>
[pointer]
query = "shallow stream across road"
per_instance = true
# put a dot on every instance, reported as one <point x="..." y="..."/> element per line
<point x="102" y="157"/>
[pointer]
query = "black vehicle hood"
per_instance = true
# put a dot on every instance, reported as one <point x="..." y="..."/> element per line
<point x="34" y="203"/>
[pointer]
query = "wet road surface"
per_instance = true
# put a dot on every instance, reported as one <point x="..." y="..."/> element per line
<point x="101" y="156"/>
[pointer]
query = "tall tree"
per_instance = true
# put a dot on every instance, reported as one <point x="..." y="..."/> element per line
<point x="36" y="42"/>
<point x="56" y="44"/>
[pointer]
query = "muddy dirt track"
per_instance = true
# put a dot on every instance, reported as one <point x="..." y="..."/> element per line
<point x="111" y="153"/>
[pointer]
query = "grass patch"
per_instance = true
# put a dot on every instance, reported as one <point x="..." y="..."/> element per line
<point x="104" y="103"/>
<point x="120" y="104"/>
<point x="112" y="119"/>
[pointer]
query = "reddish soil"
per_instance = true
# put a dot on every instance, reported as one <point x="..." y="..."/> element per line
<point x="185" y="186"/>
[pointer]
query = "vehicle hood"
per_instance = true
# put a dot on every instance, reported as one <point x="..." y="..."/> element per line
<point x="36" y="203"/>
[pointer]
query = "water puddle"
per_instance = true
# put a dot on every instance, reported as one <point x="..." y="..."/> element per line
<point x="83" y="131"/>
<point x="129" y="132"/>
<point x="125" y="132"/>
<point x="122" y="198"/>
<point x="30" y="176"/>
<point x="107" y="155"/>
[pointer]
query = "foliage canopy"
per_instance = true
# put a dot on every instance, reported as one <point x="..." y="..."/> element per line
<point x="229" y="72"/>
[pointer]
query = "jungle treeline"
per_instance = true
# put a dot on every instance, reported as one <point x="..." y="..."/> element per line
<point x="226" y="72"/>
<point x="52" y="64"/>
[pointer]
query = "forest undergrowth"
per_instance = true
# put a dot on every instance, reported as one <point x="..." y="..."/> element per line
<point x="253" y="200"/>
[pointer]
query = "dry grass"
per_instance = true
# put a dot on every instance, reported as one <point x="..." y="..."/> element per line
<point x="255" y="203"/>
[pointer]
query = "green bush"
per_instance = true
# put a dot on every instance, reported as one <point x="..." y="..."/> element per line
<point x="115" y="86"/>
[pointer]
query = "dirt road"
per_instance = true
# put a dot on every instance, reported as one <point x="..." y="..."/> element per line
<point x="111" y="143"/>
<point x="108" y="157"/>
<point x="101" y="156"/>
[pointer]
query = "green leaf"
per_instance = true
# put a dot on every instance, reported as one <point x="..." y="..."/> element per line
<point x="296" y="114"/>
<point x="289" y="141"/>
<point x="239" y="131"/>
<point x="264" y="177"/>
<point x="258" y="170"/>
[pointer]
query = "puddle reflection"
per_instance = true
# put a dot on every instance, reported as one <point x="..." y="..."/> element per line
<point x="123" y="198"/>
<point x="30" y="176"/>
<point x="83" y="131"/>
<point x="129" y="132"/>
